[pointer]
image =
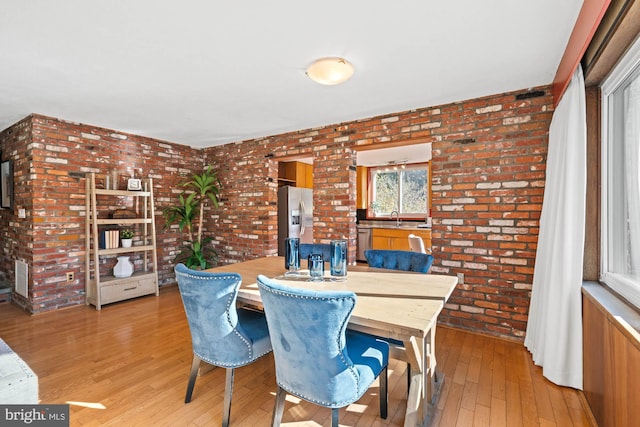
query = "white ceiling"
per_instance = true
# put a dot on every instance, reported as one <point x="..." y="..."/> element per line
<point x="203" y="73"/>
<point x="416" y="153"/>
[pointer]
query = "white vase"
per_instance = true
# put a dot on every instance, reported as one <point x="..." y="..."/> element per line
<point x="126" y="243"/>
<point x="124" y="267"/>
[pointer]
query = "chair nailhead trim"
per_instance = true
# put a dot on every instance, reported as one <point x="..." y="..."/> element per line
<point x="343" y="326"/>
<point x="249" y="345"/>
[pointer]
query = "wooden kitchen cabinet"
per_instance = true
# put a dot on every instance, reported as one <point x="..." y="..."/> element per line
<point x="398" y="238"/>
<point x="297" y="174"/>
<point x="361" y="187"/>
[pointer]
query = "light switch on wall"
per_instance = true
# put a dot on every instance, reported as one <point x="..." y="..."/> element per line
<point x="22" y="213"/>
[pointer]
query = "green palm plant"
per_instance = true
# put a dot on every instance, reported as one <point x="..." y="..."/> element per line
<point x="189" y="215"/>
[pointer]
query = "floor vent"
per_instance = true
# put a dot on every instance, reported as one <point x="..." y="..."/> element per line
<point x="22" y="278"/>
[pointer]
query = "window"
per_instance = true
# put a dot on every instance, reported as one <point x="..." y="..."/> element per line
<point x="400" y="188"/>
<point x="621" y="178"/>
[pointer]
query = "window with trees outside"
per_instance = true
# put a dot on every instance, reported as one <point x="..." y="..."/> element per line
<point x="620" y="226"/>
<point x="399" y="188"/>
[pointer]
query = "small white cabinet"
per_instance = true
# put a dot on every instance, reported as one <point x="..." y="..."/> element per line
<point x="101" y="286"/>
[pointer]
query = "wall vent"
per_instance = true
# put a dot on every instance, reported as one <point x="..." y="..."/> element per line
<point x="22" y="278"/>
<point x="528" y="95"/>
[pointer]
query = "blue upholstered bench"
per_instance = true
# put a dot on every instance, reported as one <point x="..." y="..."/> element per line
<point x="399" y="260"/>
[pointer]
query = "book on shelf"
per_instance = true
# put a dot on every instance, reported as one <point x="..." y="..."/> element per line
<point x="109" y="239"/>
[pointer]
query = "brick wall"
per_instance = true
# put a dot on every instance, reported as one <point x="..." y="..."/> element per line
<point x="488" y="186"/>
<point x="488" y="182"/>
<point x="53" y="157"/>
<point x="16" y="236"/>
<point x="249" y="173"/>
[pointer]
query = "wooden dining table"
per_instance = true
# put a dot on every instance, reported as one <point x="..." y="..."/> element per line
<point x="390" y="304"/>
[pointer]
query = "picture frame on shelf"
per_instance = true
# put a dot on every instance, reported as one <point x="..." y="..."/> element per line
<point x="6" y="184"/>
<point x="134" y="184"/>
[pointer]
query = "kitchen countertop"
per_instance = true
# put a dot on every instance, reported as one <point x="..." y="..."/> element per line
<point x="413" y="225"/>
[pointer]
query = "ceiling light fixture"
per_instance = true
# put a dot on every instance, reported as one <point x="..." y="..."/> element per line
<point x="330" y="71"/>
<point x="396" y="163"/>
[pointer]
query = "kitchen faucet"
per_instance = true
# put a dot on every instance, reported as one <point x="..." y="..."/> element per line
<point x="397" y="217"/>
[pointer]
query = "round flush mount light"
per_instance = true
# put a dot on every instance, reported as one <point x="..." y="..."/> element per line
<point x="330" y="71"/>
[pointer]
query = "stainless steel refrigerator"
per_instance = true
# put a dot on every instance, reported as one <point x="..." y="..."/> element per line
<point x="295" y="215"/>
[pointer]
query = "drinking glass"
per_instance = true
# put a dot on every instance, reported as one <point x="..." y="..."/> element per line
<point x="338" y="263"/>
<point x="292" y="255"/>
<point x="316" y="266"/>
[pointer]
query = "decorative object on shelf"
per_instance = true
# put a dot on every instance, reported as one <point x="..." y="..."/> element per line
<point x="109" y="239"/>
<point x="122" y="213"/>
<point x="114" y="179"/>
<point x="124" y="267"/>
<point x="126" y="237"/>
<point x="197" y="253"/>
<point x="134" y="184"/>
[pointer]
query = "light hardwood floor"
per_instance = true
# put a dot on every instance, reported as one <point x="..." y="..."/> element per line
<point x="127" y="365"/>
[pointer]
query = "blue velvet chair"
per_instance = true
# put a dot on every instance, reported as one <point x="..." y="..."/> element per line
<point x="220" y="334"/>
<point x="317" y="359"/>
<point x="399" y="260"/>
<point x="315" y="248"/>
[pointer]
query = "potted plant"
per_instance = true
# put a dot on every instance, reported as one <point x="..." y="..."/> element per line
<point x="197" y="252"/>
<point x="126" y="236"/>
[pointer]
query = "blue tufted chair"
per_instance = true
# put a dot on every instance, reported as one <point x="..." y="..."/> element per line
<point x="220" y="334"/>
<point x="399" y="260"/>
<point x="315" y="248"/>
<point x="316" y="358"/>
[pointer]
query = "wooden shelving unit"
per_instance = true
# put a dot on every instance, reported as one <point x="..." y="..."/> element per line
<point x="104" y="288"/>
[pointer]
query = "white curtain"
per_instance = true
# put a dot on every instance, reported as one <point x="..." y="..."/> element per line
<point x="631" y="105"/>
<point x="554" y="329"/>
